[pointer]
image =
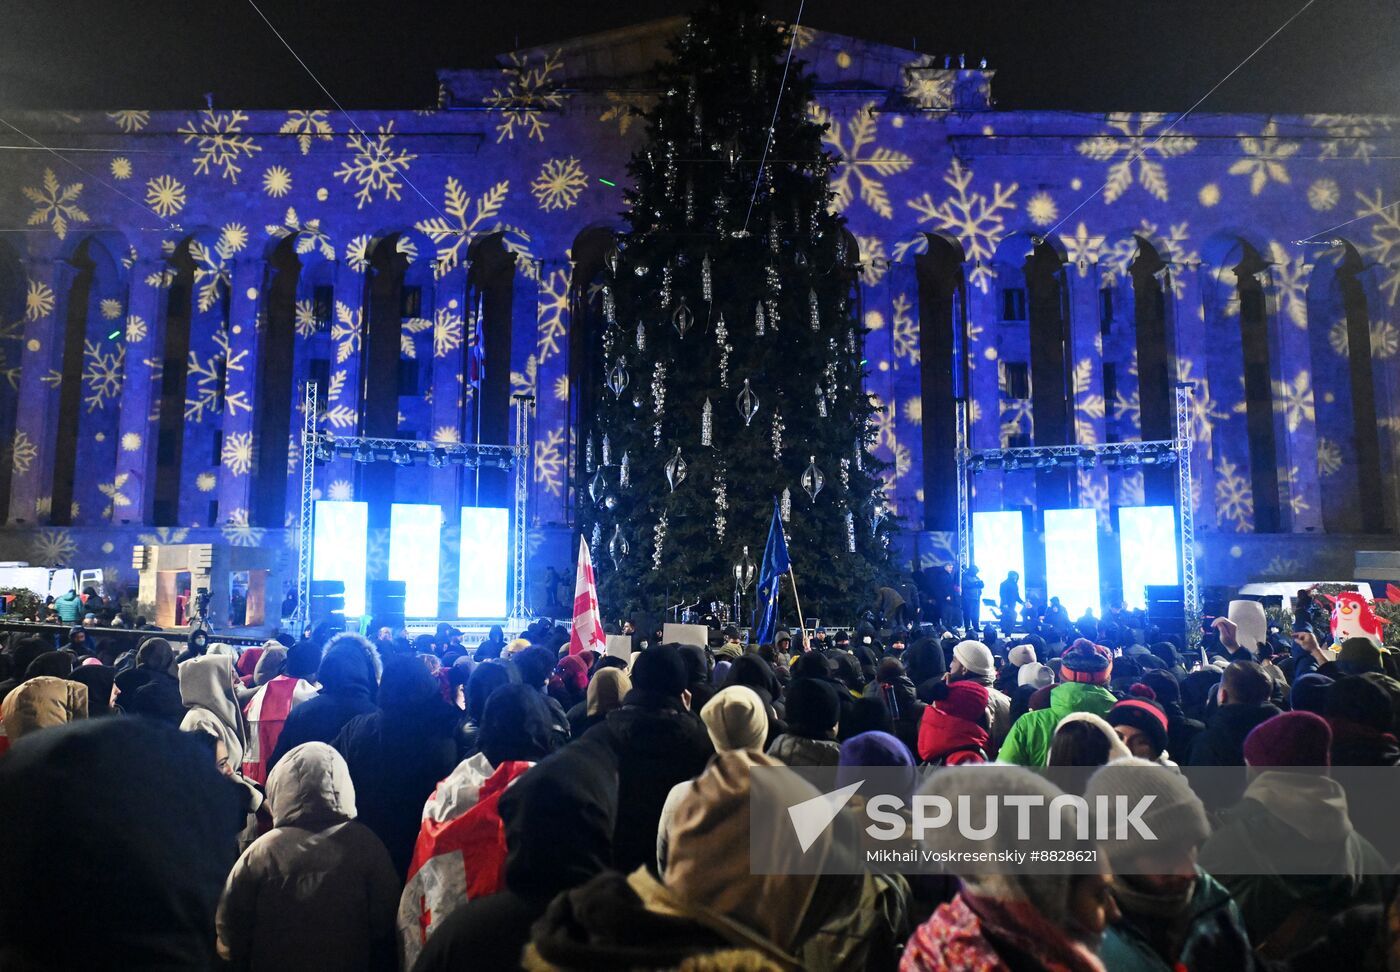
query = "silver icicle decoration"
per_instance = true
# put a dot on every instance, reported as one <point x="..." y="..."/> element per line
<point x="665" y="293"/>
<point x="777" y="435"/>
<point x="706" y="290"/>
<point x="773" y="317"/>
<point x="814" y="310"/>
<point x="624" y="471"/>
<point x="609" y="305"/>
<point x="821" y="402"/>
<point x="785" y="505"/>
<point x="607" y="450"/>
<point x="588" y="462"/>
<point x="721" y="505"/>
<point x="658" y="397"/>
<point x="641" y="337"/>
<point x="659" y="538"/>
<point x="597" y="539"/>
<point x="850" y="532"/>
<point x="707" y="424"/>
<point x="722" y="339"/>
<point x="758" y="321"/>
<point x="845" y="474"/>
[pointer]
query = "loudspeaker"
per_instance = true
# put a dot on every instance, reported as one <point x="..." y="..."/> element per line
<point x="386" y="600"/>
<point x="328" y="603"/>
<point x="1166" y="608"/>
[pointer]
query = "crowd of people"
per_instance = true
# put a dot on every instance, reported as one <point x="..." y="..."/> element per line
<point x="345" y="803"/>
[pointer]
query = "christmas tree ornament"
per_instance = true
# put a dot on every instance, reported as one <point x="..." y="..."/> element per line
<point x="624" y="471"/>
<point x="598" y="487"/>
<point x="850" y="532"/>
<point x="707" y="424"/>
<point x="613" y="260"/>
<point x="588" y="462"/>
<point x="659" y="542"/>
<point x="721" y="507"/>
<point x="799" y="260"/>
<point x="596" y="540"/>
<point x="689" y="201"/>
<point x="774" y="279"/>
<point x="814" y="314"/>
<point x="722" y="339"/>
<point x="773" y="318"/>
<point x="618" y="547"/>
<point x="845" y="475"/>
<point x="641" y="269"/>
<point x="813" y="480"/>
<point x="706" y="283"/>
<point x="877" y="517"/>
<point x="776" y="435"/>
<point x="617" y="378"/>
<point x="758" y="321"/>
<point x="682" y="319"/>
<point x="610" y="502"/>
<point x="607" y="450"/>
<point x="822" y="409"/>
<point x="609" y="305"/>
<point x="641" y="338"/>
<point x="675" y="470"/>
<point x="664" y="294"/>
<point x="748" y="404"/>
<point x="745" y="573"/>
<point x="785" y="505"/>
<point x="860" y="458"/>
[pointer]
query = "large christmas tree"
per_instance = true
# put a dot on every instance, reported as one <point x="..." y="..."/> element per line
<point x="731" y="349"/>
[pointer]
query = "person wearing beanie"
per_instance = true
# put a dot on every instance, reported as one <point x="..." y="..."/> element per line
<point x="1359" y="713"/>
<point x="953" y="730"/>
<point x="1030" y="679"/>
<point x="1174" y="914"/>
<point x="1357" y="656"/>
<point x="813" y="712"/>
<point x="1309" y="693"/>
<point x="1017" y="658"/>
<point x="974" y="662"/>
<point x="1292" y="811"/>
<point x="1085" y="668"/>
<point x="657" y="742"/>
<point x="1182" y="730"/>
<point x="1142" y="725"/>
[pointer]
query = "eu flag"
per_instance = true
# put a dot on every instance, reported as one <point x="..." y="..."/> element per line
<point x="775" y="565"/>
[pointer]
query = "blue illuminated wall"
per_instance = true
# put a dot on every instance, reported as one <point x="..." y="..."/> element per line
<point x="237" y="197"/>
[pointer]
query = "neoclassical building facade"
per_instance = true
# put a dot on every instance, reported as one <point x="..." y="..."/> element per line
<point x="170" y="280"/>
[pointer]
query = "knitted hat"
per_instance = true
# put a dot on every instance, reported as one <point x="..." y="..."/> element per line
<point x="736" y="719"/>
<point x="1085" y="661"/>
<point x="975" y="657"/>
<point x="1358" y="656"/>
<point x="965" y="700"/>
<point x="1289" y="739"/>
<point x="1144" y="716"/>
<point x="1166" y="686"/>
<point x="1021" y="655"/>
<point x="812" y="705"/>
<point x="1036" y="674"/>
<point x="1040" y="699"/>
<point x="1309" y="693"/>
<point x="1175" y="815"/>
<point x="659" y="669"/>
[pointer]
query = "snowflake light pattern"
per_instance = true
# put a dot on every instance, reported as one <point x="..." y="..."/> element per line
<point x="341" y="490"/>
<point x="1264" y="158"/>
<point x="976" y="220"/>
<point x="549" y="461"/>
<point x="55" y="204"/>
<point x="1385" y="237"/>
<point x="1294" y="400"/>
<point x="211" y="265"/>
<point x="1349" y="135"/>
<point x="120" y="167"/>
<point x="625" y="109"/>
<point x="1234" y="498"/>
<point x="166" y="195"/>
<point x="130" y="121"/>
<point x="131" y="442"/>
<point x="310" y="237"/>
<point x="1329" y="457"/>
<point x="874" y="263"/>
<point x="116" y="499"/>
<point x="1134" y="142"/>
<point x="277" y="181"/>
<point x="23" y="452"/>
<point x="1082" y="249"/>
<point x="904" y="332"/>
<point x="559" y="184"/>
<point x="237" y="453"/>
<point x="135" y="329"/>
<point x="110" y="308"/>
<point x="345" y="331"/>
<point x="1041" y="209"/>
<point x="309" y="125"/>
<point x="38" y="300"/>
<point x="102" y="374"/>
<point x="238" y="531"/>
<point x="529" y="94"/>
<point x="553" y="310"/>
<point x="860" y="160"/>
<point x="219" y="142"/>
<point x="452" y="239"/>
<point x="1324" y="194"/>
<point x="52" y="548"/>
<point x="1385" y="339"/>
<point x="377" y="166"/>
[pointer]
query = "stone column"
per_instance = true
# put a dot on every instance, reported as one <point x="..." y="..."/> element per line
<point x="549" y="486"/>
<point x="1090" y="407"/>
<point x="137" y="424"/>
<point x="1295" y="413"/>
<point x="985" y="405"/>
<point x="341" y="401"/>
<point x="449" y="383"/>
<point x="1191" y="367"/>
<point x="241" y="385"/>
<point x="36" y="420"/>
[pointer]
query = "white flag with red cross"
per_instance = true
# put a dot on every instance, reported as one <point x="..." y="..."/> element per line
<point x="588" y="622"/>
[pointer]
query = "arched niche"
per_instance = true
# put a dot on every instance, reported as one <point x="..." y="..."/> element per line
<point x="943" y="376"/>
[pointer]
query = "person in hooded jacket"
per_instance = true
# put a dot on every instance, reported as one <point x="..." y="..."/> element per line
<point x="159" y="696"/>
<point x="207" y="689"/>
<point x="56" y="664"/>
<point x="953" y="730"/>
<point x="1086" y="668"/>
<point x="757" y="674"/>
<point x="349" y="680"/>
<point x="926" y="665"/>
<point x="657" y="742"/>
<point x="486" y="677"/>
<point x="101" y="682"/>
<point x="318" y="891"/>
<point x="1362" y="721"/>
<point x="697" y="675"/>
<point x="41" y="703"/>
<point x="398" y="753"/>
<point x="606" y="690"/>
<point x="1181" y="729"/>
<point x="272" y="704"/>
<point x="813" y="714"/>
<point x="535" y="664"/>
<point x="492" y="647"/>
<point x="22" y="655"/>
<point x="568" y="684"/>
<point x="131" y="791"/>
<point x="893" y="687"/>
<point x="572" y="792"/>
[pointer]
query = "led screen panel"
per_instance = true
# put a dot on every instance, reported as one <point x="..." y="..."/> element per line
<point x="998" y="546"/>
<point x="485" y="564"/>
<point x="338" y="544"/>
<point x="1148" y="540"/>
<point x="1072" y="559"/>
<point x="415" y="537"/>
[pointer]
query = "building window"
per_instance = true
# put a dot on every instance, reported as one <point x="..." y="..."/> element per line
<point x="1013" y="304"/>
<point x="1105" y="311"/>
<point x="218" y="444"/>
<point x="323" y="300"/>
<point x="411" y="301"/>
<point x="1110" y="389"/>
<point x="319" y="371"/>
<point x="1018" y="380"/>
<point x="408" y="377"/>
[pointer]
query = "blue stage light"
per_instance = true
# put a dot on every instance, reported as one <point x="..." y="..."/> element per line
<point x="1072" y="559"/>
<point x="485" y="563"/>
<point x="339" y="541"/>
<point x="1148" y="541"/>
<point x="415" y="537"/>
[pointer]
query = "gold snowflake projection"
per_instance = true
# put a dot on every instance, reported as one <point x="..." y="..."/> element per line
<point x="1297" y="503"/>
<point x="447" y="332"/>
<point x="220" y="142"/>
<point x="1288" y="282"/>
<point x="874" y="264"/>
<point x="163" y="536"/>
<point x="625" y="109"/>
<point x="1265" y="158"/>
<point x="553" y="309"/>
<point x="881" y="423"/>
<point x="559" y="184"/>
<point x="1324" y="194"/>
<point x="377" y="166"/>
<point x="1282" y="567"/>
<point x="211" y="265"/>
<point x="1082" y="249"/>
<point x="1385" y="237"/>
<point x="1132" y="489"/>
<point x="51" y="548"/>
<point x="1134" y="141"/>
<point x="238" y="531"/>
<point x="1041" y="209"/>
<point x="928" y="86"/>
<point x="131" y="442"/>
<point x="102" y="374"/>
<point x="904" y="332"/>
<point x="166" y="195"/>
<point x="1209" y="195"/>
<point x="304" y="318"/>
<point x="530" y="93"/>
<point x="1205" y="411"/>
<point x="38" y="300"/>
<point x="446" y="435"/>
<point x="975" y="219"/>
<point x="1088" y="404"/>
<point x="561" y="388"/>
<point x="310" y="237"/>
<point x="1385" y="339"/>
<point x="23" y="452"/>
<point x="110" y="308"/>
<point x="357" y="253"/>
<point x="120" y="167"/>
<point x="1171" y="246"/>
<point x="309" y="125"/>
<point x="338" y="416"/>
<point x="237" y="453"/>
<point x="1349" y="136"/>
<point x="341" y="490"/>
<point x="914" y="411"/>
<point x="116" y="499"/>
<point x="1093" y="493"/>
<point x="1234" y="498"/>
<point x="1016" y="419"/>
<point x="135" y="329"/>
<point x="408" y="333"/>
<point x="549" y="461"/>
<point x="1329" y="457"/>
<point x="210" y="379"/>
<point x="55" y="204"/>
<point x="525" y="382"/>
<point x="859" y="160"/>
<point x="452" y="239"/>
<point x="277" y="181"/>
<point x="130" y="121"/>
<point x="345" y="331"/>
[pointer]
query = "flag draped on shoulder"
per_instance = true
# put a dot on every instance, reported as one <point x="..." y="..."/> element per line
<point x="587" y="631"/>
<point x="775" y="565"/>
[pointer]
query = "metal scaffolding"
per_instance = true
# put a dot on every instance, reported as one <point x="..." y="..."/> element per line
<point x="524" y="408"/>
<point x="1149" y="452"/>
<point x="304" y="517"/>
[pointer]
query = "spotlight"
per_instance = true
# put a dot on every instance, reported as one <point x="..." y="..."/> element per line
<point x="1086" y="459"/>
<point x="437" y="459"/>
<point x="323" y="451"/>
<point x="402" y="458"/>
<point x="362" y="454"/>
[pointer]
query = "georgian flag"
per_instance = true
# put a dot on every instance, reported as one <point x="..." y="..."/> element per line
<point x="588" y="622"/>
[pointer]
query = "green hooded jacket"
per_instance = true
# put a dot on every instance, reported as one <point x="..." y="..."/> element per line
<point x="1028" y="742"/>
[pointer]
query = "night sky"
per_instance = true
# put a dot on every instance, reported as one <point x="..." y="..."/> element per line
<point x="1069" y="54"/>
